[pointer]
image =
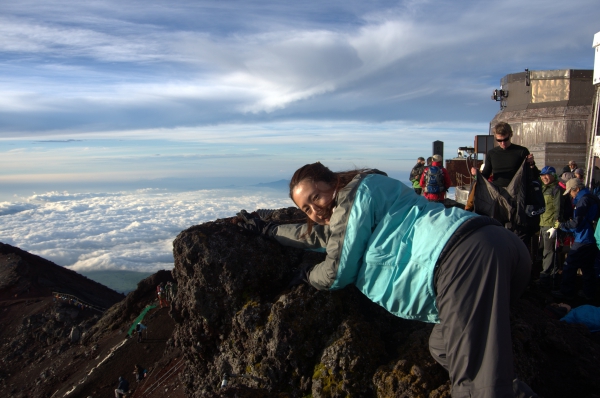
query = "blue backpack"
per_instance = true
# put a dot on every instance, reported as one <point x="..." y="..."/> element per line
<point x="434" y="180"/>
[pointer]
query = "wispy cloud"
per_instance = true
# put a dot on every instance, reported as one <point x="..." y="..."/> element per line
<point x="101" y="65"/>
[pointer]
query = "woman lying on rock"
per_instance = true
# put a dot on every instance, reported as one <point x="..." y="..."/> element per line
<point x="419" y="261"/>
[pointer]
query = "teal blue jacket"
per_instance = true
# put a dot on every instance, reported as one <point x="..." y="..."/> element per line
<point x="386" y="240"/>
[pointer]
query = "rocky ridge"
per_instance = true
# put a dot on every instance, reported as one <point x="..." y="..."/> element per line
<point x="58" y="348"/>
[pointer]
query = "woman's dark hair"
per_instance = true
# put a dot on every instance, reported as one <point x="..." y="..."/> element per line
<point x="317" y="172"/>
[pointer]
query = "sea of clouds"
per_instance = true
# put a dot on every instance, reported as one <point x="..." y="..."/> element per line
<point x="120" y="231"/>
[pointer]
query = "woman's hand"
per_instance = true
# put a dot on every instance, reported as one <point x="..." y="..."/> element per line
<point x="253" y="223"/>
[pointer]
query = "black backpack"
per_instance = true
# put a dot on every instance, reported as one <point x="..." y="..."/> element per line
<point x="416" y="172"/>
<point x="434" y="180"/>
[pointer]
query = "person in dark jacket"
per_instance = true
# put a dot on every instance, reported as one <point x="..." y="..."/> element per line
<point x="415" y="175"/>
<point x="584" y="250"/>
<point x="569" y="168"/>
<point x="558" y="207"/>
<point x="502" y="163"/>
<point x="139" y="328"/>
<point x="122" y="389"/>
<point x="139" y="372"/>
<point x="418" y="260"/>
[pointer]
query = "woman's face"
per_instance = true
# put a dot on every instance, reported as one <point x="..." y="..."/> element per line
<point x="314" y="198"/>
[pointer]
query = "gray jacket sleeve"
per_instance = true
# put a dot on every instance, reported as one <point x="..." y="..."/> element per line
<point x="323" y="274"/>
<point x="292" y="235"/>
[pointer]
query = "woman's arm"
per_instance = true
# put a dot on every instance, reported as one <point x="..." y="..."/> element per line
<point x="294" y="235"/>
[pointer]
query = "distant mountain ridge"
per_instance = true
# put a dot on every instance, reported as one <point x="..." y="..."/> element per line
<point x="279" y="184"/>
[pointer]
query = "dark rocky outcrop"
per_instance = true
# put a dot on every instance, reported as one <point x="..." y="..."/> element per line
<point x="57" y="347"/>
<point x="23" y="274"/>
<point x="237" y="316"/>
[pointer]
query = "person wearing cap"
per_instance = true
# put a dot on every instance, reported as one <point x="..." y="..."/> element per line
<point x="579" y="173"/>
<point x="415" y="175"/>
<point x="570" y="168"/>
<point x="558" y="207"/>
<point x="443" y="181"/>
<point x="583" y="251"/>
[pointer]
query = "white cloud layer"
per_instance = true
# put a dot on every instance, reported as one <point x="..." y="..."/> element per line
<point x="119" y="231"/>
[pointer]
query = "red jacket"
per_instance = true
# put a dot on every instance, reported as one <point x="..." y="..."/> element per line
<point x="447" y="183"/>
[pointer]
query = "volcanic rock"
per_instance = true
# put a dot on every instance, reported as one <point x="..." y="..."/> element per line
<point x="56" y="346"/>
<point x="245" y="332"/>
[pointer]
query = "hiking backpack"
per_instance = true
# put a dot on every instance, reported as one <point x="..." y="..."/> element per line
<point x="434" y="180"/>
<point x="416" y="173"/>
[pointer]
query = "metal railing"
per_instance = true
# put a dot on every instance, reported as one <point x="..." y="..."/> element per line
<point x="77" y="300"/>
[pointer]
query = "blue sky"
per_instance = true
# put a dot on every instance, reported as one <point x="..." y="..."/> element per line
<point x="116" y="117"/>
<point x="102" y="95"/>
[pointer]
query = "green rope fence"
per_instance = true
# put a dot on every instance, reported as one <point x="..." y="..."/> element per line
<point x="140" y="317"/>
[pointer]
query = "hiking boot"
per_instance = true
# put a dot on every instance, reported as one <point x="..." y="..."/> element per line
<point x="557" y="294"/>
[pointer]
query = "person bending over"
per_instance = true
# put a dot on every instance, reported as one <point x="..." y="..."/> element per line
<point x="418" y="260"/>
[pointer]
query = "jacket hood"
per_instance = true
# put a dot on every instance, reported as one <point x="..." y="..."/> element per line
<point x="580" y="194"/>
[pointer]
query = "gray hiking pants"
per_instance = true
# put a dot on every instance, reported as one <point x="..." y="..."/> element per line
<point x="475" y="284"/>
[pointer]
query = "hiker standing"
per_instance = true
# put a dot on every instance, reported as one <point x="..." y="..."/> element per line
<point x="435" y="180"/>
<point x="160" y="292"/>
<point x="584" y="250"/>
<point x="558" y="207"/>
<point x="415" y="175"/>
<point x="502" y="163"/>
<point x="139" y="328"/>
<point x="169" y="292"/>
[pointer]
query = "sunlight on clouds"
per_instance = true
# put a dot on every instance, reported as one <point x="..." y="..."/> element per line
<point x="125" y="231"/>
